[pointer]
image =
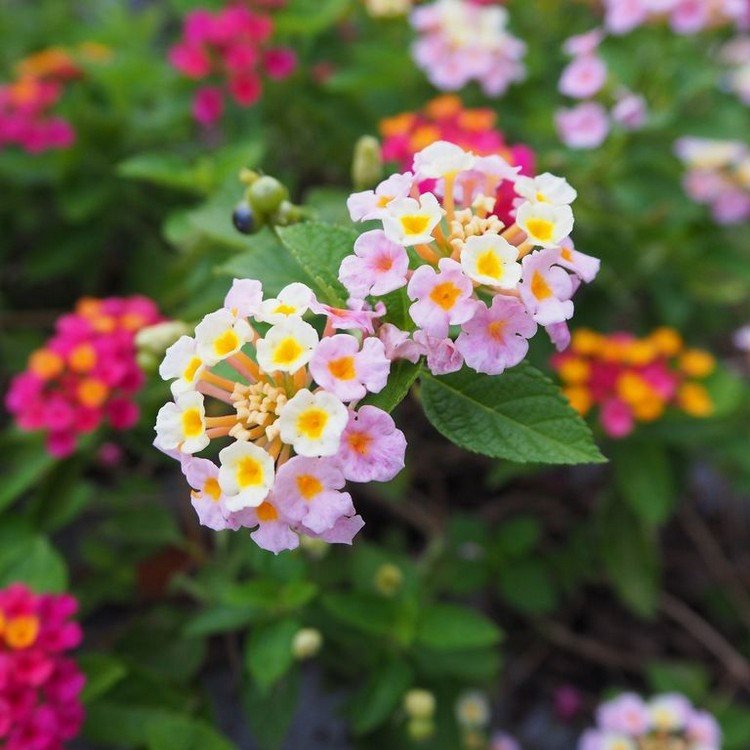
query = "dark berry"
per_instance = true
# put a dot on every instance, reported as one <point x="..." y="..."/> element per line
<point x="244" y="219"/>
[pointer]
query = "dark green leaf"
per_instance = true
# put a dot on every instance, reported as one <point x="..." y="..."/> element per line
<point x="449" y="627"/>
<point x="268" y="654"/>
<point x="377" y="699"/>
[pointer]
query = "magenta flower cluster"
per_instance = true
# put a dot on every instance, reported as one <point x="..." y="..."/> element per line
<point x="628" y="722"/>
<point x="40" y="686"/>
<point x="232" y="47"/>
<point x="460" y="41"/>
<point x="586" y="77"/>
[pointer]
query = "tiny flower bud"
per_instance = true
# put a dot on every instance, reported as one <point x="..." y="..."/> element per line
<point x="389" y="579"/>
<point x="367" y="165"/>
<point x="419" y="704"/>
<point x="158" y="338"/>
<point x="286" y="214"/>
<point x="307" y="643"/>
<point x="266" y="194"/>
<point x="316" y="548"/>
<point x="473" y="710"/>
<point x="420" y="730"/>
<point x="248" y="176"/>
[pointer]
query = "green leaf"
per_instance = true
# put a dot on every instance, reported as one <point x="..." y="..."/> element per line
<point x="472" y="665"/>
<point x="528" y="586"/>
<point x="159" y="168"/>
<point x="309" y="17"/>
<point x="644" y="478"/>
<point x="630" y="556"/>
<point x="267" y="260"/>
<point x="29" y="461"/>
<point x="319" y="249"/>
<point x="36" y="563"/>
<point x="519" y="415"/>
<point x="449" y="627"/>
<point x="184" y="733"/>
<point x="268" y="654"/>
<point x="379" y="697"/>
<point x="219" y="619"/>
<point x="518" y="536"/>
<point x="102" y="672"/>
<point x="402" y="378"/>
<point x="370" y="614"/>
<point x="687" y="678"/>
<point x="270" y="714"/>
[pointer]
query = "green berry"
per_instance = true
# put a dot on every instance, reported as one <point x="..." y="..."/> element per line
<point x="266" y="194"/>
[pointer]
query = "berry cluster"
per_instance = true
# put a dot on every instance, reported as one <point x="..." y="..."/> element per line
<point x="86" y="373"/>
<point x="40" y="705"/>
<point x="232" y="47"/>
<point x="289" y="411"/>
<point x="446" y="119"/>
<point x="633" y="379"/>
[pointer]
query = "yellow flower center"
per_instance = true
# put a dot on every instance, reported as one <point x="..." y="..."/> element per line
<point x="342" y="368"/>
<point x="249" y="472"/>
<point x="445" y="295"/>
<point x="496" y="329"/>
<point x="46" y="364"/>
<point x="541" y="197"/>
<point x="212" y="489"/>
<point x="92" y="393"/>
<point x="287" y="351"/>
<point x="226" y="343"/>
<point x="488" y="264"/>
<point x="312" y="422"/>
<point x="360" y="443"/>
<point x="191" y="370"/>
<point x="414" y="223"/>
<point x="539" y="286"/>
<point x="192" y="423"/>
<point x="541" y="229"/>
<point x="21" y="632"/>
<point x="284" y="309"/>
<point x="82" y="358"/>
<point x="266" y="512"/>
<point x="566" y="254"/>
<point x="384" y="200"/>
<point x="309" y="486"/>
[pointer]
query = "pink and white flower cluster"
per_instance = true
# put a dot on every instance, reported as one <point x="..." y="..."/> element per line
<point x="718" y="175"/>
<point x="288" y="415"/>
<point x="232" y="47"/>
<point x="735" y="54"/>
<point x="587" y="124"/>
<point x="630" y="723"/>
<point x="460" y="41"/>
<point x="40" y="686"/>
<point x="478" y="288"/>
<point x="684" y="16"/>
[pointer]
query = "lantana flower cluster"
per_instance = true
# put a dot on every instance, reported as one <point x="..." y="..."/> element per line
<point x="231" y="48"/>
<point x="628" y="722"/>
<point x="683" y="16"/>
<point x="460" y="41"/>
<point x="85" y="374"/>
<point x="718" y="175"/>
<point x="40" y="685"/>
<point x="26" y="103"/>
<point x="464" y="270"/>
<point x="446" y="119"/>
<point x="633" y="379"/>
<point x="735" y="55"/>
<point x="587" y="124"/>
<point x="289" y="420"/>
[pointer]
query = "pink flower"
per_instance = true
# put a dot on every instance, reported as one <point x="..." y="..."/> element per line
<point x="245" y="88"/>
<point x="358" y="317"/>
<point x="583" y="126"/>
<point x="273" y="532"/>
<point x="190" y="59"/>
<point x="583" y="44"/>
<point x="624" y="15"/>
<point x="704" y="730"/>
<point x="207" y="498"/>
<point x="690" y="16"/>
<point x="586" y="267"/>
<point x="616" y="418"/>
<point x="307" y="492"/>
<point x="244" y="298"/>
<point x="443" y="357"/>
<point x="371" y="204"/>
<point x="546" y="289"/>
<point x="630" y="111"/>
<point x="340" y="367"/>
<point x="279" y="63"/>
<point x="343" y="531"/>
<point x="372" y="448"/>
<point x="377" y="267"/>
<point x="496" y="338"/>
<point x="583" y="77"/>
<point x="442" y="299"/>
<point x="208" y="105"/>
<point x="559" y="335"/>
<point x="398" y="344"/>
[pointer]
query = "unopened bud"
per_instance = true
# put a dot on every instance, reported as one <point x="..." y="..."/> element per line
<point x="158" y="338"/>
<point x="419" y="704"/>
<point x="421" y="730"/>
<point x="389" y="579"/>
<point x="266" y="194"/>
<point x="367" y="165"/>
<point x="147" y="362"/>
<point x="248" y="176"/>
<point x="315" y="548"/>
<point x="473" y="710"/>
<point x="306" y="643"/>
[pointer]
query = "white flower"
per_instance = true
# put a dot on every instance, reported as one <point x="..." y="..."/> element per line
<point x="312" y="423"/>
<point x="492" y="260"/>
<point x="181" y="425"/>
<point x="545" y="224"/>
<point x="294" y="299"/>
<point x="221" y="335"/>
<point x="246" y="475"/>
<point x="410" y="222"/>
<point x="287" y="346"/>
<point x="442" y="159"/>
<point x="182" y="362"/>
<point x="546" y="188"/>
